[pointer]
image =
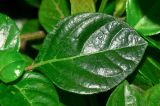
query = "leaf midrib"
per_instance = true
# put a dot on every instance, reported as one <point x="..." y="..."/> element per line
<point x="78" y="56"/>
<point x="30" y="103"/>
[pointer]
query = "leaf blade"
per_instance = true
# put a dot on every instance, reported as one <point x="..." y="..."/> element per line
<point x="99" y="41"/>
<point x="142" y="18"/>
<point x="51" y="11"/>
<point x="12" y="67"/>
<point x="79" y="6"/>
<point x="30" y="91"/>
<point x="9" y="34"/>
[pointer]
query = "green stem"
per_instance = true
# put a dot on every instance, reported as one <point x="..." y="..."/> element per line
<point x="102" y="6"/>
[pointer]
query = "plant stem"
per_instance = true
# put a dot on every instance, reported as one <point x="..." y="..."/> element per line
<point x="32" y="36"/>
<point x="102" y="6"/>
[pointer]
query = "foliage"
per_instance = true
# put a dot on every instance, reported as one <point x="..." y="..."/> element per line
<point x="80" y="53"/>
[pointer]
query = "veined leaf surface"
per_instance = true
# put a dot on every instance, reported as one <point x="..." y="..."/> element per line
<point x="8" y="34"/>
<point x="90" y="53"/>
<point x="12" y="65"/>
<point x="134" y="96"/>
<point x="79" y="6"/>
<point x="32" y="90"/>
<point x="51" y="11"/>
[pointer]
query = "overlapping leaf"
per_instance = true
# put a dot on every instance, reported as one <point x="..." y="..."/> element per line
<point x="12" y="65"/>
<point x="130" y="95"/>
<point x="144" y="16"/>
<point x="149" y="73"/>
<point x="79" y="6"/>
<point x="51" y="11"/>
<point x="90" y="53"/>
<point x="8" y="34"/>
<point x="32" y="90"/>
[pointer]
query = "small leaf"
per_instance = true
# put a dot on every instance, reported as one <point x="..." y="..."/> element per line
<point x="90" y="53"/>
<point x="9" y="34"/>
<point x="32" y="90"/>
<point x="11" y="65"/>
<point x="79" y="6"/>
<point x="143" y="19"/>
<point x="126" y="95"/>
<point x="51" y="11"/>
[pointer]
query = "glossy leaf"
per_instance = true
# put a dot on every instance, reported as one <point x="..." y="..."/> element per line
<point x="51" y="11"/>
<point x="11" y="65"/>
<point x="130" y="95"/>
<point x="32" y="90"/>
<point x="90" y="53"/>
<point x="79" y="6"/>
<point x="143" y="16"/>
<point x="9" y="34"/>
<point x="126" y="95"/>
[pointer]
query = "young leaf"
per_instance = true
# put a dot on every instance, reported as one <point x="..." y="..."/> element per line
<point x="11" y="65"/>
<point x="32" y="90"/>
<point x="126" y="95"/>
<point x="51" y="11"/>
<point x="143" y="16"/>
<point x="8" y="34"/>
<point x="90" y="53"/>
<point x="79" y="6"/>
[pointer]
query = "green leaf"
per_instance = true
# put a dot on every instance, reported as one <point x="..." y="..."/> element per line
<point x="51" y="11"/>
<point x="126" y="95"/>
<point x="35" y="3"/>
<point x="30" y="26"/>
<point x="109" y="8"/>
<point x="152" y="42"/>
<point x="11" y="65"/>
<point x="143" y="16"/>
<point x="103" y="5"/>
<point x="152" y="96"/>
<point x="90" y="53"/>
<point x="130" y="95"/>
<point x="150" y="70"/>
<point x="32" y="90"/>
<point x="142" y="82"/>
<point x="79" y="6"/>
<point x="120" y="7"/>
<point x="9" y="34"/>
